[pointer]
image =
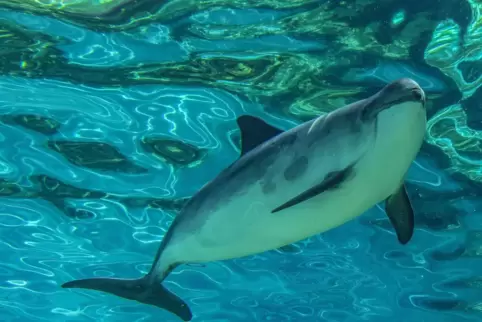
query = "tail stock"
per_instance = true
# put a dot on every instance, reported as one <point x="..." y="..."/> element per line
<point x="141" y="290"/>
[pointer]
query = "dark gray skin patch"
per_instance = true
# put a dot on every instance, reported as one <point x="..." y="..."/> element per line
<point x="256" y="164"/>
<point x="339" y="122"/>
<point x="234" y="180"/>
<point x="296" y="169"/>
<point x="268" y="187"/>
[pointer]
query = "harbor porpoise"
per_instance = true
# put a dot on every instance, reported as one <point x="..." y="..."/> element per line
<point x="289" y="185"/>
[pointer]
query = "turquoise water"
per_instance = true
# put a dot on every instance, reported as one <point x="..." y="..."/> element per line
<point x="71" y="210"/>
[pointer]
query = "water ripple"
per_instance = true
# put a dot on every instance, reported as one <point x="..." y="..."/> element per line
<point x="357" y="272"/>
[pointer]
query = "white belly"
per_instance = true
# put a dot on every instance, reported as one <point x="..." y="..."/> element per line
<point x="246" y="225"/>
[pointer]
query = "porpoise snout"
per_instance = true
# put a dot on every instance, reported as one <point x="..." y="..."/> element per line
<point x="419" y="95"/>
<point x="398" y="92"/>
<point x="403" y="90"/>
<point x="411" y="88"/>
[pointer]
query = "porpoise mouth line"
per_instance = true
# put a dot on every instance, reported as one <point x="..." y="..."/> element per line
<point x="410" y="98"/>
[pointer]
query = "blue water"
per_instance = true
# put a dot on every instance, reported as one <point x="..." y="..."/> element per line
<point x="356" y="272"/>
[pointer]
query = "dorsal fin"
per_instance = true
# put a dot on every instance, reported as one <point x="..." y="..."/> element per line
<point x="254" y="131"/>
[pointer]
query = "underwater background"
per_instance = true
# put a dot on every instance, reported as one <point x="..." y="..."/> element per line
<point x="113" y="113"/>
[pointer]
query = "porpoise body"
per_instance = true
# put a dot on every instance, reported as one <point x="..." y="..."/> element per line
<point x="290" y="185"/>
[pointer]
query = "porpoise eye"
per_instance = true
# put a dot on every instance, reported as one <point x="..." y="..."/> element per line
<point x="417" y="95"/>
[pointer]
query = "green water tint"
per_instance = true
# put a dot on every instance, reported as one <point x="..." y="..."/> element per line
<point x="302" y="84"/>
<point x="173" y="151"/>
<point x="58" y="193"/>
<point x="35" y="123"/>
<point x="95" y="155"/>
<point x="121" y="15"/>
<point x="102" y="156"/>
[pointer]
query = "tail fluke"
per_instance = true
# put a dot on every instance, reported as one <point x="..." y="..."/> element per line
<point x="140" y="290"/>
